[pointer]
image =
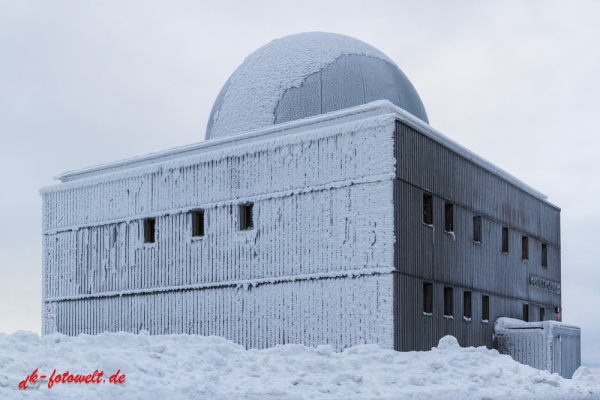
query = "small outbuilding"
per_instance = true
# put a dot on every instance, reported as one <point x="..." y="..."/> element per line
<point x="549" y="345"/>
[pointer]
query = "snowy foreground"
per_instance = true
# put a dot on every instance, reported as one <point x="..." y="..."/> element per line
<point x="197" y="367"/>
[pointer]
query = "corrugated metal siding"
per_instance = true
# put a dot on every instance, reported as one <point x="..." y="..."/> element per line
<point x="427" y="164"/>
<point x="570" y="350"/>
<point x="305" y="312"/>
<point x="322" y="206"/>
<point x="413" y="330"/>
<point x="284" y="243"/>
<point x="424" y="252"/>
<point x="555" y="348"/>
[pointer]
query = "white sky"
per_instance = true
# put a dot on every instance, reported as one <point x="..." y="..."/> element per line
<point x="83" y="83"/>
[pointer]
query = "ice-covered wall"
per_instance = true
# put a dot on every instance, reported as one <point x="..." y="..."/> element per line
<point x="548" y="345"/>
<point x="315" y="269"/>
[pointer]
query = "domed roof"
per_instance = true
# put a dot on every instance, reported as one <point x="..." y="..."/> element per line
<point x="308" y="74"/>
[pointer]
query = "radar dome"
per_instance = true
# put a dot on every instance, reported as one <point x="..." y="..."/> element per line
<point x="304" y="75"/>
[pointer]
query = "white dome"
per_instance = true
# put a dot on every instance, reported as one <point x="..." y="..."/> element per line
<point x="307" y="74"/>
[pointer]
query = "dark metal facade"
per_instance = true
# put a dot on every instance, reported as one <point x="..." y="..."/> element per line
<point x="427" y="253"/>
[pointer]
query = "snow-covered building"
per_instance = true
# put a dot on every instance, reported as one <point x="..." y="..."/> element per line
<point x="321" y="208"/>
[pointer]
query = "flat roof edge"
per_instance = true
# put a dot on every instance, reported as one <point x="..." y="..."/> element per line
<point x="347" y="115"/>
<point x="375" y="108"/>
<point x="444" y="140"/>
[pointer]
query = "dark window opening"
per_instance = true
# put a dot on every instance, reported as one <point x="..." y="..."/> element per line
<point x="427" y="209"/>
<point x="427" y="298"/>
<point x="525" y="248"/>
<point x="149" y="230"/>
<point x="542" y="313"/>
<point x="448" y="298"/>
<point x="544" y="255"/>
<point x="113" y="236"/>
<point x="505" y="239"/>
<point x="467" y="309"/>
<point x="526" y="312"/>
<point x="246" y="217"/>
<point x="485" y="308"/>
<point x="198" y="223"/>
<point x="477" y="229"/>
<point x="449" y="217"/>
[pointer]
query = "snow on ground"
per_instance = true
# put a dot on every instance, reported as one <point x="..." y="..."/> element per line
<point x="198" y="367"/>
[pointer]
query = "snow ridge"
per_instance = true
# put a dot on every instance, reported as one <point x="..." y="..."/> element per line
<point x="200" y="367"/>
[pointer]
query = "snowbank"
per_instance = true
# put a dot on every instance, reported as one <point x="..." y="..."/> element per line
<point x="198" y="367"/>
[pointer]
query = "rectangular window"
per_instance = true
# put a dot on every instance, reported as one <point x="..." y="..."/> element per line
<point x="544" y="255"/>
<point x="198" y="223"/>
<point x="526" y="312"/>
<point x="427" y="298"/>
<point x="525" y="248"/>
<point x="427" y="209"/>
<point x="542" y="313"/>
<point x="477" y="229"/>
<point x="449" y="217"/>
<point x="149" y="230"/>
<point x="485" y="308"/>
<point x="505" y="239"/>
<point x="467" y="308"/>
<point x="246" y="217"/>
<point x="448" y="305"/>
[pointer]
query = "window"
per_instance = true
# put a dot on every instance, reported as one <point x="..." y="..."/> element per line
<point x="427" y="298"/>
<point x="427" y="209"/>
<point x="477" y="229"/>
<point x="467" y="309"/>
<point x="485" y="308"/>
<point x="525" y="248"/>
<point x="544" y="255"/>
<point x="198" y="223"/>
<point x="246" y="217"/>
<point x="505" y="239"/>
<point x="448" y="306"/>
<point x="542" y="313"/>
<point x="149" y="230"/>
<point x="526" y="312"/>
<point x="449" y="217"/>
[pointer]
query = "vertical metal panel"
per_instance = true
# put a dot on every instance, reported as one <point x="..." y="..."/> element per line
<point x="548" y="345"/>
<point x="321" y="250"/>
<point x="424" y="163"/>
<point x="428" y="253"/>
<point x="273" y="312"/>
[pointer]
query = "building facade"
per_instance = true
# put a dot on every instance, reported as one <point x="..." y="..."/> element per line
<point x="343" y="219"/>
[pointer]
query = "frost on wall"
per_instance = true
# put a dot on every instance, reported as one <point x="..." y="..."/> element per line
<point x="548" y="345"/>
<point x="316" y="267"/>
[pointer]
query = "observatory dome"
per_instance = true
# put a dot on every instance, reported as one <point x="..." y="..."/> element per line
<point x="304" y="75"/>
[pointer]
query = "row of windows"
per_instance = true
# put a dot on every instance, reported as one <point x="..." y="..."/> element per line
<point x="449" y="303"/>
<point x="468" y="304"/>
<point x="197" y="217"/>
<point x="477" y="236"/>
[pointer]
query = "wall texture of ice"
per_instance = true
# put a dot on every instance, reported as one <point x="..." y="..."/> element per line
<point x="315" y="269"/>
<point x="304" y="75"/>
<point x="548" y="345"/>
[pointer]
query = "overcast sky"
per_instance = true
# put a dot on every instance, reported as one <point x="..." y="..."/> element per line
<point x="83" y="83"/>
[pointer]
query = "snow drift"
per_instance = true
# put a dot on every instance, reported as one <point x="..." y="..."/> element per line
<point x="199" y="367"/>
